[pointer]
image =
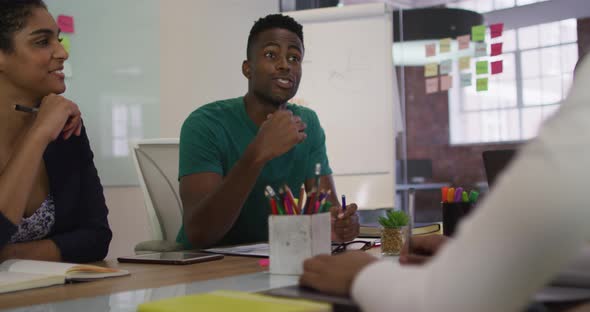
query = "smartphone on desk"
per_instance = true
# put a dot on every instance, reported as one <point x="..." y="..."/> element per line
<point x="173" y="257"/>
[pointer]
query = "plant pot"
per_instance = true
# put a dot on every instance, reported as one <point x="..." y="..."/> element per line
<point x="392" y="240"/>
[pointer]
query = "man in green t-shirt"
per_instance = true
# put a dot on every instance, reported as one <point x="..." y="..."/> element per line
<point x="230" y="150"/>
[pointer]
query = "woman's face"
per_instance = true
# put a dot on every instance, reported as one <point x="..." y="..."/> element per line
<point x="35" y="66"/>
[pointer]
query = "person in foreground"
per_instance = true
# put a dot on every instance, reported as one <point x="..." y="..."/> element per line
<point x="230" y="150"/>
<point x="526" y="229"/>
<point x="51" y="201"/>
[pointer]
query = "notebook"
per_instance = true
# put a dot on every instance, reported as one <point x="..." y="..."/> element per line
<point x="374" y="229"/>
<point x="232" y="301"/>
<point x="25" y="274"/>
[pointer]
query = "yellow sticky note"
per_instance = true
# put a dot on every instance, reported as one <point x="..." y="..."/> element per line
<point x="482" y="84"/>
<point x="65" y="42"/>
<point x="445" y="45"/>
<point x="478" y="33"/>
<point x="481" y="67"/>
<point x="431" y="70"/>
<point x="464" y="62"/>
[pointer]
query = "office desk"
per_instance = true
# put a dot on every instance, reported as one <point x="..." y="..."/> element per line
<point x="145" y="277"/>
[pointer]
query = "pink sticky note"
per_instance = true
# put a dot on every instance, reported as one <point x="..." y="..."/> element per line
<point x="496" y="30"/>
<point x="496" y="49"/>
<point x="264" y="262"/>
<point x="430" y="50"/>
<point x="463" y="42"/>
<point x="431" y="85"/>
<point x="66" y="23"/>
<point x="497" y="67"/>
<point x="446" y="82"/>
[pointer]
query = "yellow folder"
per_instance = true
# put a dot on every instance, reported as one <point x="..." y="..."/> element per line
<point x="232" y="301"/>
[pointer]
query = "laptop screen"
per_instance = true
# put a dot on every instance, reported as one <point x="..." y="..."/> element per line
<point x="496" y="161"/>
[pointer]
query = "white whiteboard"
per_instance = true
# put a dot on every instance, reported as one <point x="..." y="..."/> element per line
<point x="348" y="79"/>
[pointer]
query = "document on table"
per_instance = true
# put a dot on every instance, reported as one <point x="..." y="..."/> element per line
<point x="253" y="250"/>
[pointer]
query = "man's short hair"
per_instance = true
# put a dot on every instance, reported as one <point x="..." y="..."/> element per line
<point x="273" y="21"/>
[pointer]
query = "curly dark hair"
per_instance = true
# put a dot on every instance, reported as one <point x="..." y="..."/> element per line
<point x="13" y="17"/>
<point x="273" y="21"/>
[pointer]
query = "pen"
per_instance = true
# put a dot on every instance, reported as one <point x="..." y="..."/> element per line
<point x="458" y="194"/>
<point x="301" y="198"/>
<point x="465" y="197"/>
<point x="318" y="169"/>
<point x="343" y="202"/>
<point x="445" y="191"/>
<point x="473" y="195"/>
<point x="451" y="195"/>
<point x="26" y="109"/>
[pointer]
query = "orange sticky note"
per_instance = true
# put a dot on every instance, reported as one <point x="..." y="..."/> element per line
<point x="430" y="50"/>
<point x="497" y="67"/>
<point x="496" y="49"/>
<point x="431" y="85"/>
<point x="463" y="42"/>
<point x="446" y="82"/>
<point x="496" y="30"/>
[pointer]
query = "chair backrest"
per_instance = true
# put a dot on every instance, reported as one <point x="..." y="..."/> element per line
<point x="156" y="162"/>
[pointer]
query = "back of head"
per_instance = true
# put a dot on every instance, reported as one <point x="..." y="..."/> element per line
<point x="273" y="21"/>
<point x="13" y="17"/>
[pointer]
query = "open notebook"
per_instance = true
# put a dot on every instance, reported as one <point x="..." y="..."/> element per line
<point x="25" y="274"/>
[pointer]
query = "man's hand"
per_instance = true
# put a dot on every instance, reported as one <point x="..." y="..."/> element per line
<point x="334" y="274"/>
<point x="278" y="134"/>
<point x="423" y="249"/>
<point x="345" y="224"/>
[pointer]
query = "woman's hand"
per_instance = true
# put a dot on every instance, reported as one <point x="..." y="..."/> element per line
<point x="57" y="115"/>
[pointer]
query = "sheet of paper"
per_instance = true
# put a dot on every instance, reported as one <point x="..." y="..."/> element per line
<point x="482" y="84"/>
<point x="259" y="250"/>
<point x="446" y="67"/>
<point x="431" y="85"/>
<point x="464" y="62"/>
<point x="497" y="67"/>
<point x="496" y="30"/>
<point x="481" y="67"/>
<point x="445" y="45"/>
<point x="66" y="23"/>
<point x="430" y="49"/>
<point x="431" y="70"/>
<point x="481" y="49"/>
<point x="463" y="42"/>
<point x="446" y="82"/>
<point x="478" y="33"/>
<point x="496" y="49"/>
<point x="466" y="80"/>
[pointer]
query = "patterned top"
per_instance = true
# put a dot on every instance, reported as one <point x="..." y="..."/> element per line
<point x="38" y="225"/>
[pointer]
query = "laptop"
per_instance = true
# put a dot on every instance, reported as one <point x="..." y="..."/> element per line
<point x="495" y="162"/>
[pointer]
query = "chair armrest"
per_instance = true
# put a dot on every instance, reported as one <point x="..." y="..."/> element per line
<point x="157" y="246"/>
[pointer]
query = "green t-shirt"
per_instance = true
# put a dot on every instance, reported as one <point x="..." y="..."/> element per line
<point x="214" y="137"/>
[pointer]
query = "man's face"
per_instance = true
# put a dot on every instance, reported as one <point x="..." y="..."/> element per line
<point x="274" y="67"/>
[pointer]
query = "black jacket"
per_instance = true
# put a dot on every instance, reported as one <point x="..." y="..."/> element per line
<point x="81" y="230"/>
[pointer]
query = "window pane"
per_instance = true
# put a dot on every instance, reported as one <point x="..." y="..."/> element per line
<point x="506" y="90"/>
<point x="551" y="90"/>
<point x="509" y="66"/>
<point x="550" y="33"/>
<point x="528" y="37"/>
<point x="550" y="61"/>
<point x="531" y="119"/>
<point x="490" y="126"/>
<point x="484" y="6"/>
<point x="548" y="111"/>
<point x="509" y="38"/>
<point x="466" y="5"/>
<point x="569" y="58"/>
<point x="509" y="125"/>
<point x="531" y="63"/>
<point x="566" y="81"/>
<point x="531" y="91"/>
<point x="503" y="4"/>
<point x="569" y="30"/>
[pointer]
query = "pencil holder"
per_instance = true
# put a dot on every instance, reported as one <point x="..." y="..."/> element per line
<point x="294" y="238"/>
<point x="452" y="214"/>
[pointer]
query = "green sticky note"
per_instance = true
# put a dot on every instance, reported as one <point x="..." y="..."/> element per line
<point x="482" y="84"/>
<point x="65" y="42"/>
<point x="478" y="33"/>
<point x="481" y="67"/>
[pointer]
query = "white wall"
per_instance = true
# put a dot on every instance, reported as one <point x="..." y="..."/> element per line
<point x="202" y="45"/>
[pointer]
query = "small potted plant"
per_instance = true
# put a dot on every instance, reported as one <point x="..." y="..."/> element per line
<point x="393" y="235"/>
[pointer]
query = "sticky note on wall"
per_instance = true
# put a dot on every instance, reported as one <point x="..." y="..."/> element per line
<point x="497" y="67"/>
<point x="65" y="23"/>
<point x="481" y="67"/>
<point x="466" y="80"/>
<point x="431" y="85"/>
<point x="482" y="84"/>
<point x="463" y="42"/>
<point x="446" y="82"/>
<point x="481" y="49"/>
<point x="445" y="45"/>
<point x="464" y="62"/>
<point x="66" y="43"/>
<point x="496" y="30"/>
<point x="430" y="49"/>
<point x="431" y="70"/>
<point x="478" y="33"/>
<point x="446" y="67"/>
<point x="496" y="49"/>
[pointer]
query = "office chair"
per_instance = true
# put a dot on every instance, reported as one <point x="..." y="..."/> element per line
<point x="156" y="162"/>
